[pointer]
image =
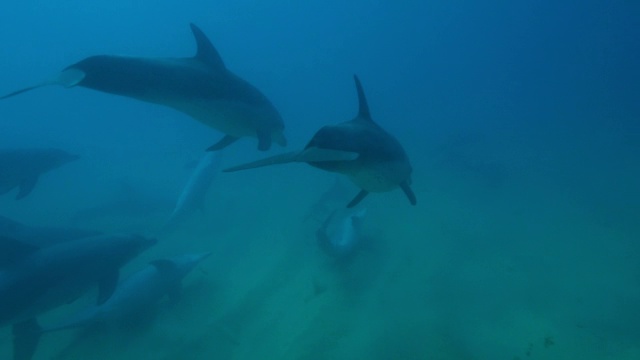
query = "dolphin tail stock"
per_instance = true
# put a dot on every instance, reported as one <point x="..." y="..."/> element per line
<point x="26" y="336"/>
<point x="68" y="78"/>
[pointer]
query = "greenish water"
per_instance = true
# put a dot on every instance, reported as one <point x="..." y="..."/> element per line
<point x="520" y="268"/>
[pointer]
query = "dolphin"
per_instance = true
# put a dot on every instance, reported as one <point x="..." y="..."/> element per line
<point x="34" y="280"/>
<point x="359" y="148"/>
<point x="346" y="237"/>
<point x="40" y="236"/>
<point x="194" y="192"/>
<point x="200" y="86"/>
<point x="137" y="293"/>
<point x="21" y="168"/>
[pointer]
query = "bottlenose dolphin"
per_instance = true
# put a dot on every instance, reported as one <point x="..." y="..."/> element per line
<point x="22" y="167"/>
<point x="195" y="191"/>
<point x="34" y="280"/>
<point x="200" y="86"/>
<point x="371" y="157"/>
<point x="137" y="293"/>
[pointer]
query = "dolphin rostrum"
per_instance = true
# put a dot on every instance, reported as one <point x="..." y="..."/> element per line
<point x="22" y="167"/>
<point x="359" y="148"/>
<point x="200" y="86"/>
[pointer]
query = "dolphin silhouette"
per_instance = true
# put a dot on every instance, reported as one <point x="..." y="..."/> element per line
<point x="21" y="168"/>
<point x="200" y="86"/>
<point x="360" y="149"/>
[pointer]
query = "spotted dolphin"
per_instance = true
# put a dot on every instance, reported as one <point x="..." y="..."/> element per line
<point x="200" y="86"/>
<point x="22" y="168"/>
<point x="359" y="148"/>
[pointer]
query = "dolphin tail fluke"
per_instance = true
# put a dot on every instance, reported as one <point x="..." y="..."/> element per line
<point x="223" y="143"/>
<point x="26" y="336"/>
<point x="356" y="200"/>
<point x="67" y="78"/>
<point x="408" y="192"/>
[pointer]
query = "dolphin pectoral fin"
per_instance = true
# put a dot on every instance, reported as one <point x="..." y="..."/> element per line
<point x="272" y="160"/>
<point x="26" y="336"/>
<point x="223" y="143"/>
<point x="107" y="286"/>
<point x="315" y="154"/>
<point x="408" y="192"/>
<point x="356" y="200"/>
<point x="26" y="186"/>
<point x="264" y="140"/>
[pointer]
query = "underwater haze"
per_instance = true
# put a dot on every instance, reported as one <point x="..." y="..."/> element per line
<point x="521" y="120"/>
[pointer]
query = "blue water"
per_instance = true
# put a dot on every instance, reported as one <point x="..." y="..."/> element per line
<point x="522" y="123"/>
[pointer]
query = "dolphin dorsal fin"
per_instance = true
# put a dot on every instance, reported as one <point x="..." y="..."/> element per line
<point x="363" y="107"/>
<point x="207" y="54"/>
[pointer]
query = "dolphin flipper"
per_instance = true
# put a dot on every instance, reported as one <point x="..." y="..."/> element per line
<point x="26" y="186"/>
<point x="408" y="192"/>
<point x="356" y="200"/>
<point x="223" y="143"/>
<point x="26" y="336"/>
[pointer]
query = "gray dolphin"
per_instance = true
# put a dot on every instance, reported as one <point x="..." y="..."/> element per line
<point x="137" y="293"/>
<point x="200" y="86"/>
<point x="34" y="280"/>
<point x="22" y="167"/>
<point x="371" y="157"/>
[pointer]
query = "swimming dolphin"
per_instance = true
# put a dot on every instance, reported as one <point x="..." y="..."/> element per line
<point x="195" y="191"/>
<point x="200" y="86"/>
<point x="371" y="157"/>
<point x="34" y="280"/>
<point x="137" y="293"/>
<point x="22" y="167"/>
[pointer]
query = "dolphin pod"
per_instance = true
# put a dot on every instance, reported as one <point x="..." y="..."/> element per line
<point x="359" y="148"/>
<point x="200" y="86"/>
